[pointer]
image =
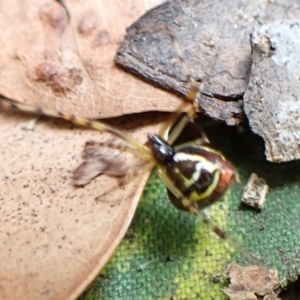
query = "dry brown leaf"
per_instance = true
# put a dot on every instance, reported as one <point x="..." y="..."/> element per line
<point x="62" y="57"/>
<point x="55" y="237"/>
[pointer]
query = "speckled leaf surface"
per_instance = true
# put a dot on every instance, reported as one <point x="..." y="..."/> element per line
<point x="54" y="237"/>
<point x="61" y="57"/>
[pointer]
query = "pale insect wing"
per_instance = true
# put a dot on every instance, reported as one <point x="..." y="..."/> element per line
<point x="96" y="161"/>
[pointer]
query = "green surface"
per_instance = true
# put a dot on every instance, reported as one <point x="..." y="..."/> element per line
<point x="168" y="254"/>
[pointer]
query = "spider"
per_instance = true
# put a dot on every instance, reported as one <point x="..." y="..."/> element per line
<point x="195" y="175"/>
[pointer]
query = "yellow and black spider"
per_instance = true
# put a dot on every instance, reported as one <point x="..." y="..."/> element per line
<point x="195" y="175"/>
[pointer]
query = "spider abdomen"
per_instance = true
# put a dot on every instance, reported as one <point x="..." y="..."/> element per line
<point x="201" y="174"/>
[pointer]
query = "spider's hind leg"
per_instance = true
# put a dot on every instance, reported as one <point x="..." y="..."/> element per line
<point x="191" y="206"/>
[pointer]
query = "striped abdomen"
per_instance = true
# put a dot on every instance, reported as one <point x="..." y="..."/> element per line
<point x="201" y="174"/>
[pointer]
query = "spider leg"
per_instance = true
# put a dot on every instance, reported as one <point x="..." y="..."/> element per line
<point x="192" y="207"/>
<point x="145" y="168"/>
<point x="121" y="147"/>
<point x="191" y="97"/>
<point x="141" y="150"/>
<point x="97" y="160"/>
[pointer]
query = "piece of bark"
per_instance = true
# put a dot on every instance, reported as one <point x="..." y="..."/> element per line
<point x="272" y="102"/>
<point x="252" y="283"/>
<point x="202" y="29"/>
<point x="255" y="192"/>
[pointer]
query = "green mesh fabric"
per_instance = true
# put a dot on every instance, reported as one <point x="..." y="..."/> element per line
<point x="168" y="254"/>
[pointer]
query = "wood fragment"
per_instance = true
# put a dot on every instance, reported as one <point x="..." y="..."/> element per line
<point x="272" y="102"/>
<point x="255" y="192"/>
<point x="252" y="283"/>
<point x="202" y="29"/>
